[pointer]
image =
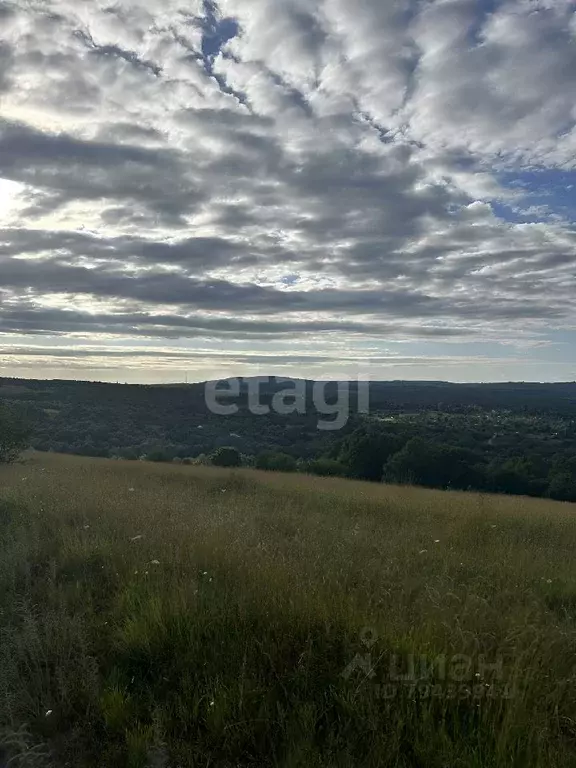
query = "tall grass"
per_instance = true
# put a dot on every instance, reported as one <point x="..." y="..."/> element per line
<point x="173" y="616"/>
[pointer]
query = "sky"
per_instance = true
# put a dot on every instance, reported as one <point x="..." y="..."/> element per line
<point x="318" y="188"/>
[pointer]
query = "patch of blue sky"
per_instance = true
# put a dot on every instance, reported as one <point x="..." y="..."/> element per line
<point x="542" y="195"/>
<point x="291" y="279"/>
<point x="216" y="31"/>
<point x="484" y="9"/>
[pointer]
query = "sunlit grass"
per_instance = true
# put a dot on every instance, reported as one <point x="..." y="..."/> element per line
<point x="184" y="616"/>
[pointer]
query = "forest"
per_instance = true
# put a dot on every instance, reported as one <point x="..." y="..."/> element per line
<point x="501" y="438"/>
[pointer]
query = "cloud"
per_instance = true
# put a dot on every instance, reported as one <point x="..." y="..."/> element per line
<point x="314" y="170"/>
<point x="479" y="72"/>
<point x="65" y="169"/>
<point x="6" y="63"/>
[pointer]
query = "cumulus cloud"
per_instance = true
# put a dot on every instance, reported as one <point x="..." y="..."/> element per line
<point x="287" y="173"/>
<point x="503" y="78"/>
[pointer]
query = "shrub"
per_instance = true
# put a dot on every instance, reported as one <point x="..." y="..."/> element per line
<point x="422" y="462"/>
<point x="366" y="451"/>
<point x="327" y="468"/>
<point x="158" y="455"/>
<point x="14" y="435"/>
<point x="226" y="457"/>
<point x="276" y="462"/>
<point x="562" y="487"/>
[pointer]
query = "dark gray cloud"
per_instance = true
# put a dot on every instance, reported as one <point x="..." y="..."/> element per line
<point x="155" y="287"/>
<point x="65" y="169"/>
<point x="23" y="317"/>
<point x="199" y="252"/>
<point x="116" y="52"/>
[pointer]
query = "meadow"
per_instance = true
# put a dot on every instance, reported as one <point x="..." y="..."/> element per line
<point x="161" y="615"/>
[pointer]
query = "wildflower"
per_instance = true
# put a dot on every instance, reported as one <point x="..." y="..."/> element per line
<point x="49" y="712"/>
<point x="86" y="527"/>
<point x="422" y="551"/>
<point x="436" y="541"/>
<point x="131" y="490"/>
<point x="137" y="538"/>
<point x="154" y="562"/>
<point x="212" y="703"/>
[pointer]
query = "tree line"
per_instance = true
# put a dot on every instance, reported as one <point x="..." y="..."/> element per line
<point x="14" y="434"/>
<point x="375" y="455"/>
<point x="471" y="440"/>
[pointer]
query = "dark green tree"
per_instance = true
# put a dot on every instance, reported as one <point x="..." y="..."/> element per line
<point x="14" y="434"/>
<point x="514" y="476"/>
<point x="226" y="457"/>
<point x="366" y="451"/>
<point x="159" y="455"/>
<point x="421" y="462"/>
<point x="275" y="461"/>
<point x="326" y="467"/>
<point x="562" y="487"/>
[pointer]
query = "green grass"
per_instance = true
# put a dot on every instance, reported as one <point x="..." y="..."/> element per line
<point x="183" y="616"/>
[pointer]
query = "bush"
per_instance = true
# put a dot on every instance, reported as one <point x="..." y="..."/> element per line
<point x="14" y="435"/>
<point x="366" y="451"/>
<point x="158" y="455"/>
<point x="226" y="457"/>
<point x="421" y="462"/>
<point x="202" y="460"/>
<point x="276" y="462"/>
<point x="327" y="468"/>
<point x="562" y="487"/>
<point x="128" y="454"/>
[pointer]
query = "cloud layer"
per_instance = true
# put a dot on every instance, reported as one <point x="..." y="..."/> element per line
<point x="290" y="184"/>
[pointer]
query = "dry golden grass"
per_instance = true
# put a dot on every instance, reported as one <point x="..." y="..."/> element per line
<point x="188" y="616"/>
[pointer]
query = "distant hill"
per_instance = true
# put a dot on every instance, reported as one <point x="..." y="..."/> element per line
<point x="100" y="419"/>
<point x="518" y="396"/>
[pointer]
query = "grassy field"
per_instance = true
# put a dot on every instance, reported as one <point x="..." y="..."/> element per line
<point x="157" y="615"/>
